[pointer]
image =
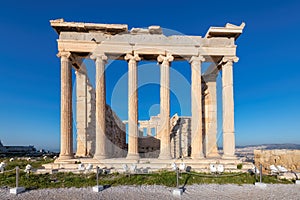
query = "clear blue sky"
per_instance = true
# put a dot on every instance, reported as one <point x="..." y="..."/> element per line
<point x="267" y="77"/>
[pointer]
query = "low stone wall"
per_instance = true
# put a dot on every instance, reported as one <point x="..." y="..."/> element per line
<point x="115" y="129"/>
<point x="116" y="133"/>
<point x="149" y="147"/>
<point x="290" y="159"/>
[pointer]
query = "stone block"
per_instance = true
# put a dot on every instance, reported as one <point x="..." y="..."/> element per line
<point x="98" y="188"/>
<point x="288" y="176"/>
<point x="177" y="192"/>
<point x="17" y="190"/>
<point x="53" y="171"/>
<point x="290" y="159"/>
<point x="261" y="185"/>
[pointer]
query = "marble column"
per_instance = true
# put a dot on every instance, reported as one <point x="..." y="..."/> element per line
<point x="196" y="107"/>
<point x="165" y="142"/>
<point x="101" y="146"/>
<point x="81" y="111"/>
<point x="211" y="149"/>
<point x="66" y="125"/>
<point x="133" y="130"/>
<point x="228" y="108"/>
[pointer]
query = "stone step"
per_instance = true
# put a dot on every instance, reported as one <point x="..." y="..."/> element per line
<point x="150" y="166"/>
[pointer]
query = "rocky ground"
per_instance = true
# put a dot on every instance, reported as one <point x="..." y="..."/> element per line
<point x="211" y="191"/>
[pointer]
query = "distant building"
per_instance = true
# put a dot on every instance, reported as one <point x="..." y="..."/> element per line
<point x="16" y="150"/>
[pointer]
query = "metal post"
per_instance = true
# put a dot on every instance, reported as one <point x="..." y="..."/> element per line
<point x="255" y="171"/>
<point x="260" y="168"/>
<point x="177" y="177"/>
<point x="17" y="176"/>
<point x="97" y="175"/>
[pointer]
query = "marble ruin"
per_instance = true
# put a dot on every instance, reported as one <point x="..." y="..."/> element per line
<point x="101" y="135"/>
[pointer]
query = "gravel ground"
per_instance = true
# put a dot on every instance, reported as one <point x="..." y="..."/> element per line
<point x="211" y="191"/>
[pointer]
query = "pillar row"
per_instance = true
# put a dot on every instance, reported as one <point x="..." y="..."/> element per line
<point x="165" y="143"/>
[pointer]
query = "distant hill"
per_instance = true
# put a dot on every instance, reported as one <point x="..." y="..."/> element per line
<point x="272" y="146"/>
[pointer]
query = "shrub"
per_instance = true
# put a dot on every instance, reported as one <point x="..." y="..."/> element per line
<point x="239" y="166"/>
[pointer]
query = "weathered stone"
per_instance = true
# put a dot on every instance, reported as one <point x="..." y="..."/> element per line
<point x="181" y="138"/>
<point x="155" y="30"/>
<point x="290" y="159"/>
<point x="288" y="176"/>
<point x="149" y="147"/>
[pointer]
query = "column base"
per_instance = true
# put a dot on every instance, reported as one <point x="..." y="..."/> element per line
<point x="229" y="157"/>
<point x="164" y="157"/>
<point x="65" y="157"/>
<point x="100" y="157"/>
<point x="213" y="155"/>
<point x="133" y="156"/>
<point x="197" y="156"/>
<point x="81" y="155"/>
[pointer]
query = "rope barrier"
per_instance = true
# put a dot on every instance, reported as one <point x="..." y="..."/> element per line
<point x="215" y="176"/>
<point x="6" y="171"/>
<point x="137" y="173"/>
<point x="11" y="170"/>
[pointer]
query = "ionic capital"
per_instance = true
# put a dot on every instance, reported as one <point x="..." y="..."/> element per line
<point x="135" y="57"/>
<point x="231" y="59"/>
<point x="64" y="55"/>
<point x="98" y="57"/>
<point x="165" y="59"/>
<point x="197" y="59"/>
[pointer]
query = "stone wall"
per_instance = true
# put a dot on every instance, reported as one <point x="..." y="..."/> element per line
<point x="181" y="137"/>
<point x="149" y="147"/>
<point x="115" y="128"/>
<point x="290" y="159"/>
<point x="91" y="119"/>
<point x="116" y="133"/>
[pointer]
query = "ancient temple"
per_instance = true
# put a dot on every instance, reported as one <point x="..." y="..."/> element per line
<point x="101" y="134"/>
